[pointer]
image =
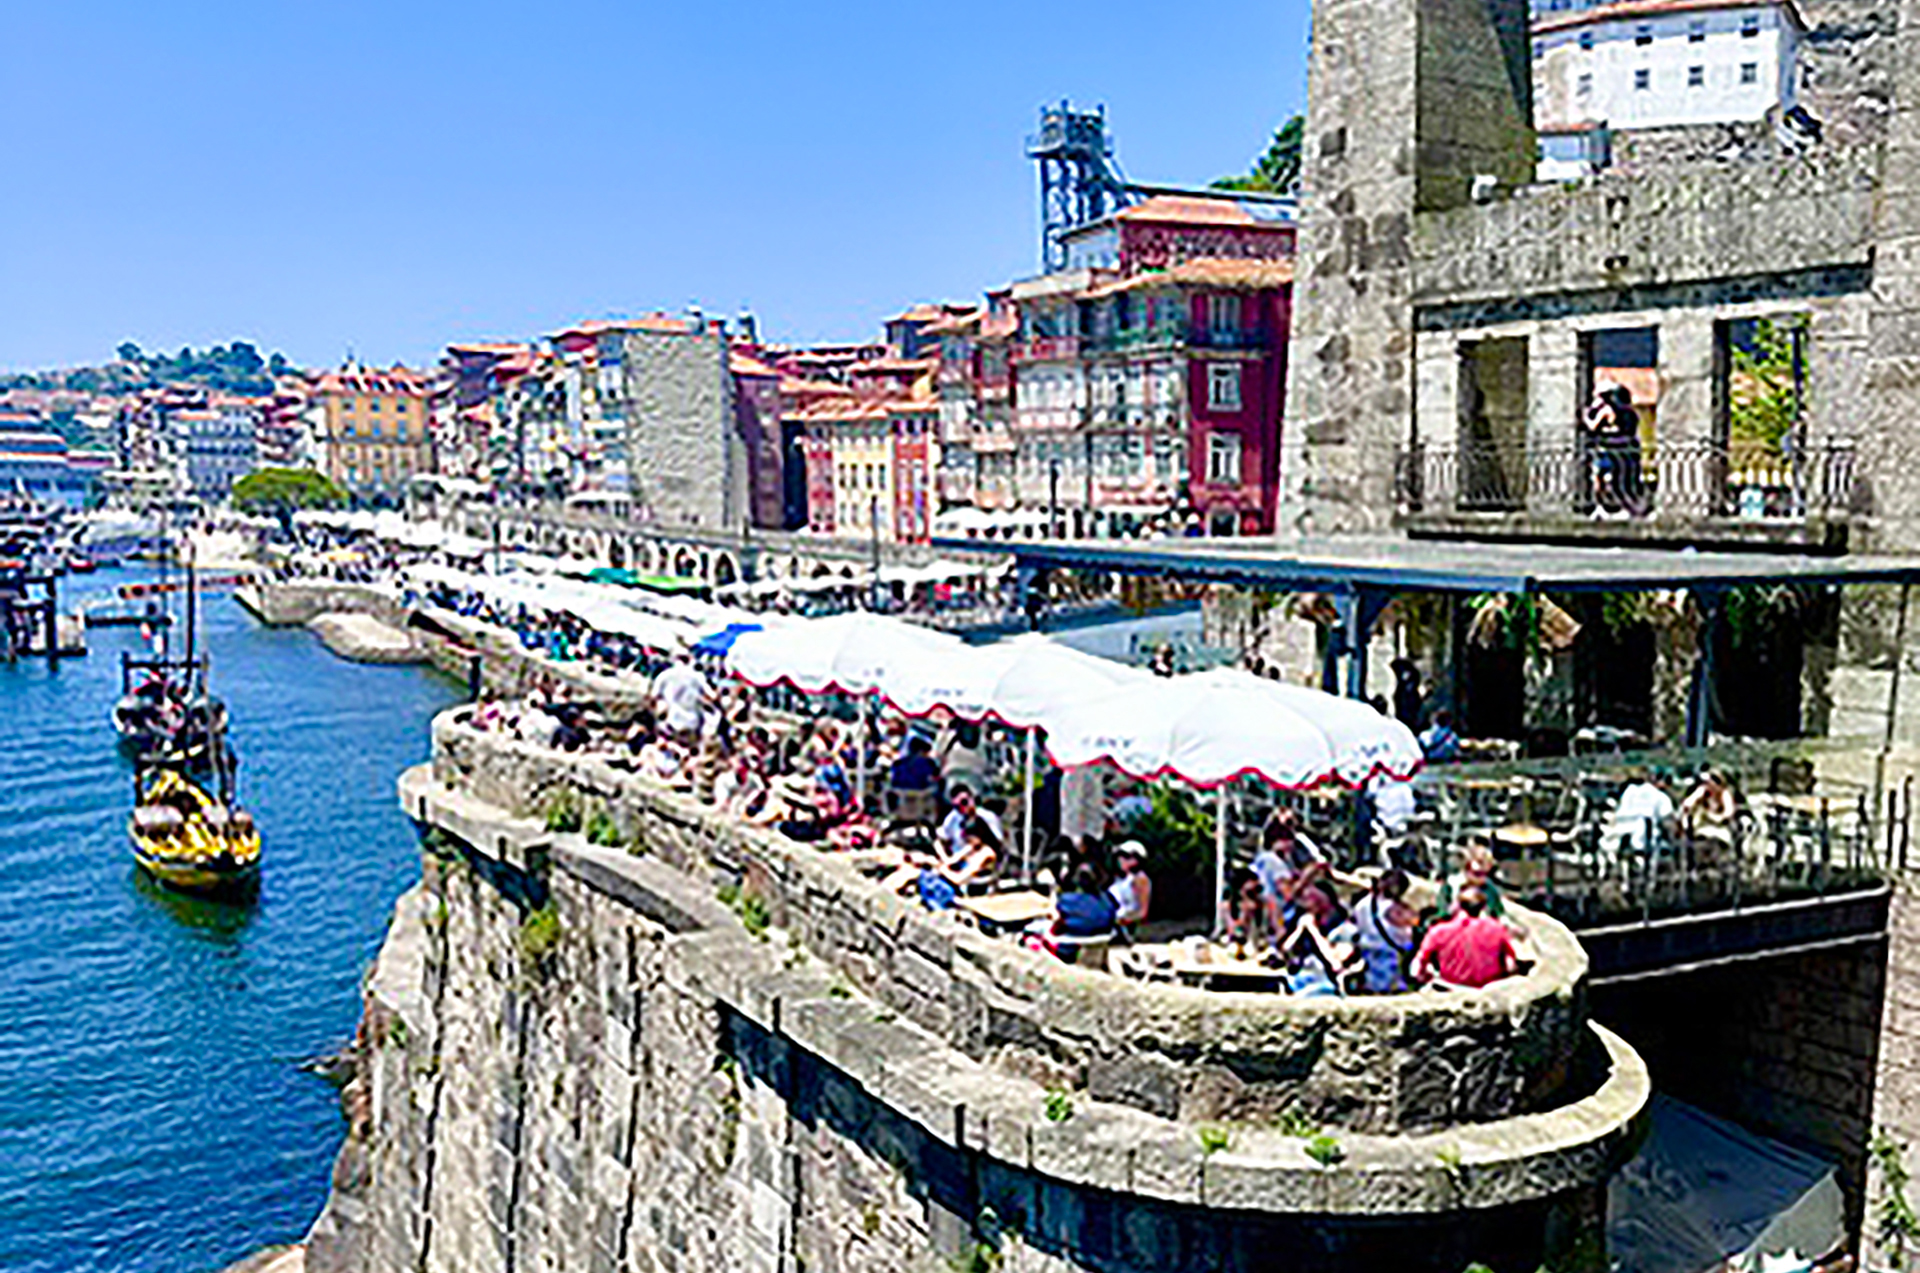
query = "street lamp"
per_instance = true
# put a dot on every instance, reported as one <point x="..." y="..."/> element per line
<point x="873" y="528"/>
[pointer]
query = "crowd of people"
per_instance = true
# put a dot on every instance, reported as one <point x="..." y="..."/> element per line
<point x="1286" y="907"/>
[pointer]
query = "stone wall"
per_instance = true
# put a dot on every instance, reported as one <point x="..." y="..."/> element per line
<point x="295" y="603"/>
<point x="1896" y="1095"/>
<point x="648" y="1084"/>
<point x="1788" y="1047"/>
<point x="1378" y="1066"/>
<point x="688" y="464"/>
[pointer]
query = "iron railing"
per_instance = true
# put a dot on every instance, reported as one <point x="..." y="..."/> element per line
<point x="1698" y="479"/>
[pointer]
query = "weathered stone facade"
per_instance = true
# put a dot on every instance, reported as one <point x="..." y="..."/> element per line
<point x="645" y="1082"/>
<point x="1404" y="274"/>
<point x="687" y="461"/>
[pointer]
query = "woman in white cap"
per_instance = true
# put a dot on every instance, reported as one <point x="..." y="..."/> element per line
<point x="1131" y="890"/>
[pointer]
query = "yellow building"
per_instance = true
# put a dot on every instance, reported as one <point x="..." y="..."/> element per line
<point x="377" y="428"/>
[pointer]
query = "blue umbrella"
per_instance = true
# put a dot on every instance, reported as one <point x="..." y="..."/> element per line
<point x="718" y="643"/>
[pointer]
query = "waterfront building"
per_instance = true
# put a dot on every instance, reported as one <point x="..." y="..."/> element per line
<point x="377" y="428"/>
<point x="1147" y="380"/>
<point x="214" y="444"/>
<point x="36" y="463"/>
<point x="1643" y="64"/>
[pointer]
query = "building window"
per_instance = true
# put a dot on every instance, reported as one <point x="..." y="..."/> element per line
<point x="1696" y="76"/>
<point x="1749" y="72"/>
<point x="1697" y="32"/>
<point x="1750" y="26"/>
<point x="1586" y="84"/>
<point x="1223" y="459"/>
<point x="1223" y="313"/>
<point x="1586" y="40"/>
<point x="1643" y="79"/>
<point x="1223" y="386"/>
<point x="1643" y="34"/>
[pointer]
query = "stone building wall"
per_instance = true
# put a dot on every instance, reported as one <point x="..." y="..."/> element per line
<point x="687" y="463"/>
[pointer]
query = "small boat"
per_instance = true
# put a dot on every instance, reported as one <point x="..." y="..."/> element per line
<point x="78" y="565"/>
<point x="189" y="838"/>
<point x="155" y="718"/>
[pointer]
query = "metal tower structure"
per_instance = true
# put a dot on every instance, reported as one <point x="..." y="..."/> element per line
<point x="1079" y="179"/>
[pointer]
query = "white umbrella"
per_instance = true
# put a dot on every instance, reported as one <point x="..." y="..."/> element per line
<point x="1214" y="727"/>
<point x="1020" y="682"/>
<point x="845" y="652"/>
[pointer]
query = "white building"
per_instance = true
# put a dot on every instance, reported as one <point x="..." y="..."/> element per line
<point x="1636" y="64"/>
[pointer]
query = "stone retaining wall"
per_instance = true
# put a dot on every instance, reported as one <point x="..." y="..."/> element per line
<point x="1375" y="1065"/>
<point x="651" y="1086"/>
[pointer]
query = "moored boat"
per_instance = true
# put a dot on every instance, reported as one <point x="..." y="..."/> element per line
<point x="190" y="838"/>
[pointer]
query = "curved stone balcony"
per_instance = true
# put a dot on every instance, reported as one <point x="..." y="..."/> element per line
<point x="1436" y="1100"/>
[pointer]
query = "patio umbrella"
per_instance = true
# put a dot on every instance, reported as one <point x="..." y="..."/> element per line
<point x="717" y="643"/>
<point x="849" y="653"/>
<point x="1211" y="728"/>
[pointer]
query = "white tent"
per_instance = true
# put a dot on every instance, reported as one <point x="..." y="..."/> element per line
<point x="1211" y="728"/>
<point x="845" y="652"/>
<point x="1019" y="682"/>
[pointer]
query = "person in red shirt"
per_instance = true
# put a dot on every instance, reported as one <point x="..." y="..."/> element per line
<point x="1470" y="948"/>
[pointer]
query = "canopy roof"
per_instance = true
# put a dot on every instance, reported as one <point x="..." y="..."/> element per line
<point x="1395" y="563"/>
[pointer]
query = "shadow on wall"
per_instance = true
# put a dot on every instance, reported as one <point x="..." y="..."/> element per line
<point x="976" y="1206"/>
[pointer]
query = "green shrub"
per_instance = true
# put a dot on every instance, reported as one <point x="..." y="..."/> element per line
<point x="1325" y="1150"/>
<point x="1214" y="1140"/>
<point x="603" y="830"/>
<point x="1059" y="1107"/>
<point x="539" y="933"/>
<point x="563" y="813"/>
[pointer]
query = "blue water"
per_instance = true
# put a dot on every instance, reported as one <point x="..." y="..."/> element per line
<point x="153" y="1113"/>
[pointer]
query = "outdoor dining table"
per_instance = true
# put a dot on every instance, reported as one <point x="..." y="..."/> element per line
<point x="1014" y="909"/>
<point x="1208" y="962"/>
<point x="1523" y="836"/>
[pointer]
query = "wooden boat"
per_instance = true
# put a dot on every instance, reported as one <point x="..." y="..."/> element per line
<point x="190" y="838"/>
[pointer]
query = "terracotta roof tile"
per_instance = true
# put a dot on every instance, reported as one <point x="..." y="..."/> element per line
<point x="1626" y="9"/>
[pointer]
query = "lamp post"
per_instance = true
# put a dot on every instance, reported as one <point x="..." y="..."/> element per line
<point x="1053" y="497"/>
<point x="873" y="529"/>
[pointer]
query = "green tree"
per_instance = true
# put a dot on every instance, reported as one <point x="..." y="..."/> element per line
<point x="1278" y="170"/>
<point x="1764" y="400"/>
<point x="282" y="492"/>
<point x="129" y="352"/>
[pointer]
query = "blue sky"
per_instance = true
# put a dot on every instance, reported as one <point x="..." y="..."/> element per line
<point x="388" y="177"/>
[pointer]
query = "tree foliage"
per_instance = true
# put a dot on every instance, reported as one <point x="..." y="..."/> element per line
<point x="1278" y="170"/>
<point x="235" y="368"/>
<point x="283" y="491"/>
<point x="1764" y="403"/>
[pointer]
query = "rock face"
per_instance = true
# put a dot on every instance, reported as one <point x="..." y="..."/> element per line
<point x="365" y="639"/>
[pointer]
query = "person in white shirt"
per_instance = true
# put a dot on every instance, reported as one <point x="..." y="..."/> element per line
<point x="680" y="695"/>
<point x="1644" y="815"/>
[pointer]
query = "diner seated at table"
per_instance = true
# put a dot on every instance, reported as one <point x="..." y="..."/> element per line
<point x="1439" y="741"/>
<point x="1469" y="949"/>
<point x="1132" y="888"/>
<point x="815" y="807"/>
<point x="917" y="770"/>
<point x="940" y="878"/>
<point x="1083" y="909"/>
<point x="963" y="810"/>
<point x="1385" y="932"/>
<point x="1643" y="817"/>
<point x="1476" y="871"/>
<point x="1323" y="943"/>
<point x="1246" y="917"/>
<point x="1287" y="861"/>
<point x="1706" y="816"/>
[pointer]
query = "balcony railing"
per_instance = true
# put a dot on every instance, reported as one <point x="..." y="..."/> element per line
<point x="1046" y="349"/>
<point x="1703" y="479"/>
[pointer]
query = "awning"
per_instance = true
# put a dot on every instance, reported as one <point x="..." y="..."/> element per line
<point x="1390" y="563"/>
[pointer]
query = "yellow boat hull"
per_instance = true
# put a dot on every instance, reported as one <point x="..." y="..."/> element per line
<point x="198" y="878"/>
<point x="188" y="840"/>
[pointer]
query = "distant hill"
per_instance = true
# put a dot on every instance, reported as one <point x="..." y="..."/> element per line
<point x="235" y="368"/>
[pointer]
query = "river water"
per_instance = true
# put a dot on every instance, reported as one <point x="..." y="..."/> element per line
<point x="153" y="1112"/>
